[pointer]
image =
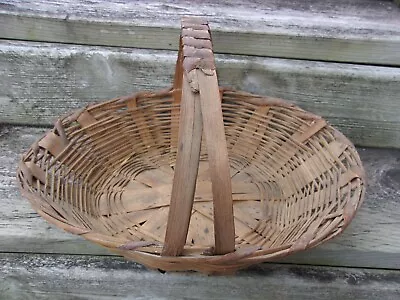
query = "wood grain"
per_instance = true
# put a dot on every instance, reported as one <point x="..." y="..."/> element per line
<point x="41" y="81"/>
<point x="185" y="175"/>
<point x="87" y="277"/>
<point x="372" y="239"/>
<point x="217" y="152"/>
<point x="362" y="31"/>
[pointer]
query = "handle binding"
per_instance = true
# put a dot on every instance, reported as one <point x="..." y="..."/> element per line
<point x="196" y="86"/>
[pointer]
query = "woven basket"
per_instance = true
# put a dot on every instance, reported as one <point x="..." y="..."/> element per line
<point x="133" y="175"/>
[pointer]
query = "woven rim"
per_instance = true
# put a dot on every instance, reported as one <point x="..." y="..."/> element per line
<point x="132" y="173"/>
<point x="309" y="175"/>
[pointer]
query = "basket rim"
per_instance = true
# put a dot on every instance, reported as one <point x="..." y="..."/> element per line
<point x="222" y="261"/>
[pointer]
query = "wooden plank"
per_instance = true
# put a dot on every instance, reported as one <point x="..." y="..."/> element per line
<point x="363" y="31"/>
<point x="79" y="277"/>
<point x="372" y="239"/>
<point x="42" y="81"/>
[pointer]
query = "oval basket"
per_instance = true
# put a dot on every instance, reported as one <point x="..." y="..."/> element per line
<point x="195" y="177"/>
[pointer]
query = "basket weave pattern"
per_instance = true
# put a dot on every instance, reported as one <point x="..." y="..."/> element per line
<point x="106" y="172"/>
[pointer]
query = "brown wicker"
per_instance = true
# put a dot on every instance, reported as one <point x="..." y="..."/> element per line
<point x="269" y="180"/>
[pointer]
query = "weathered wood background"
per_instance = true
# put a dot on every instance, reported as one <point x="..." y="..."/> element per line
<point x="100" y="278"/>
<point x="372" y="239"/>
<point x="360" y="98"/>
<point x="361" y="31"/>
<point x="339" y="59"/>
<point x="42" y="81"/>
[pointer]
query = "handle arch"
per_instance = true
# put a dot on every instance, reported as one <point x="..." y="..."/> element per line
<point x="196" y="88"/>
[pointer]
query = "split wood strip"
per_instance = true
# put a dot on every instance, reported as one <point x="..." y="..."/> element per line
<point x="195" y="53"/>
<point x="178" y="78"/>
<point x="303" y="177"/>
<point x="219" y="165"/>
<point x="359" y="246"/>
<point x="186" y="167"/>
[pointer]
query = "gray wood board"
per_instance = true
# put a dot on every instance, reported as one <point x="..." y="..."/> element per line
<point x="85" y="277"/>
<point x="41" y="81"/>
<point x="372" y="239"/>
<point x="362" y="31"/>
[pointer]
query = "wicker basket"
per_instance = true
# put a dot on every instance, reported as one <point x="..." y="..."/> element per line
<point x="133" y="175"/>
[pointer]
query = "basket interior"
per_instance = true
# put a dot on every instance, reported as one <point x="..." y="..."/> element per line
<point x="291" y="173"/>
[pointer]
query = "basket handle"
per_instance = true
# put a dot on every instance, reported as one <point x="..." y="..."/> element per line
<point x="196" y="87"/>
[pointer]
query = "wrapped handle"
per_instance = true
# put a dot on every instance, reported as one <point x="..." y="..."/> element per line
<point x="196" y="88"/>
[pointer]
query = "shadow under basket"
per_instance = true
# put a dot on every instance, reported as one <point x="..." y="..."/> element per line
<point x="195" y="177"/>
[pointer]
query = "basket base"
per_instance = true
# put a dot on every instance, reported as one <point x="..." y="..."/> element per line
<point x="143" y="205"/>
